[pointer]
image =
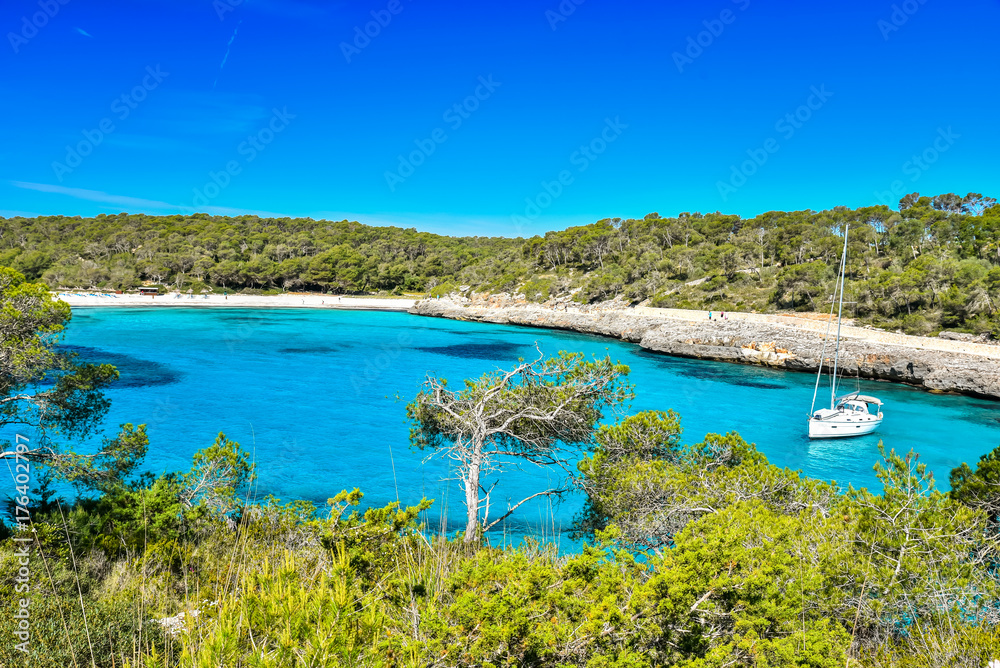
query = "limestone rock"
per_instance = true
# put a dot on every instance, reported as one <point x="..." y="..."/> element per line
<point x="770" y="344"/>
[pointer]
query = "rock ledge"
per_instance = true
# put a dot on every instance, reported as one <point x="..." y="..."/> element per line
<point x="775" y="345"/>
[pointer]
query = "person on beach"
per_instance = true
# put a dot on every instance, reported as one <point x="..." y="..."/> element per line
<point x="709" y="315"/>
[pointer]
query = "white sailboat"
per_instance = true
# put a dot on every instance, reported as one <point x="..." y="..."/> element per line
<point x="851" y="414"/>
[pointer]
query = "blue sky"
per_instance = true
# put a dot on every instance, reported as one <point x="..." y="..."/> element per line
<point x="567" y="113"/>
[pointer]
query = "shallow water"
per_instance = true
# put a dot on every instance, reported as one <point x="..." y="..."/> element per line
<point x="319" y="396"/>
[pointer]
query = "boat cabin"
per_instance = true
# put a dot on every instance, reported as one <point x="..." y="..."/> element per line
<point x="854" y="407"/>
<point x="859" y="403"/>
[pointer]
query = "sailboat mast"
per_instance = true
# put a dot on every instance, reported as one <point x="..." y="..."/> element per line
<point x="840" y="313"/>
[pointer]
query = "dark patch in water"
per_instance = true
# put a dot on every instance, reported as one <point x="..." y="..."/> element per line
<point x="470" y="333"/>
<point x="135" y="371"/>
<point x="987" y="418"/>
<point x="757" y="384"/>
<point x="312" y="350"/>
<point x="730" y="378"/>
<point x="708" y="370"/>
<point x="495" y="351"/>
<point x="241" y="314"/>
<point x="244" y="318"/>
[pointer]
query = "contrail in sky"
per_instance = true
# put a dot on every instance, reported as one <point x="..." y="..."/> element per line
<point x="83" y="32"/>
<point x="228" y="49"/>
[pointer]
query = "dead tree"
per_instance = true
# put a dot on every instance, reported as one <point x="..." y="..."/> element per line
<point x="539" y="413"/>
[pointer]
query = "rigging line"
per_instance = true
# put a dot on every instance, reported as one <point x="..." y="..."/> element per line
<point x="840" y="314"/>
<point x="393" y="464"/>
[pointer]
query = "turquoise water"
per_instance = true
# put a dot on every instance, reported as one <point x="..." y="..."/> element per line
<point x="314" y="394"/>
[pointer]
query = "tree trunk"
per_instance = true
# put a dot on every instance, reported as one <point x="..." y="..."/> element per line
<point x="472" y="498"/>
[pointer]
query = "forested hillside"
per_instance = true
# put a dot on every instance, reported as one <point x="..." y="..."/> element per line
<point x="931" y="265"/>
<point x="699" y="552"/>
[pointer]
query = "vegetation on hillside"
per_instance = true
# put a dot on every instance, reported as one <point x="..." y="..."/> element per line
<point x="791" y="574"/>
<point x="698" y="554"/>
<point x="539" y="413"/>
<point x="933" y="264"/>
<point x="709" y="556"/>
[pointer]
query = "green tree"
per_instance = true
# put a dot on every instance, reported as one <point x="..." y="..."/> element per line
<point x="800" y="284"/>
<point x="740" y="589"/>
<point x="979" y="488"/>
<point x="144" y="515"/>
<point x="647" y="487"/>
<point x="921" y="555"/>
<point x="538" y="413"/>
<point x="49" y="397"/>
<point x="218" y="478"/>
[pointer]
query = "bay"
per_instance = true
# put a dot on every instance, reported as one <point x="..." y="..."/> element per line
<point x="319" y="396"/>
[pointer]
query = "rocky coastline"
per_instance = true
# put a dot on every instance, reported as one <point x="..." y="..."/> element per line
<point x="772" y="344"/>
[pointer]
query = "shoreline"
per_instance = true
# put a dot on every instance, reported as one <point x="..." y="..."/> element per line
<point x="106" y="300"/>
<point x="782" y="342"/>
<point x="787" y="342"/>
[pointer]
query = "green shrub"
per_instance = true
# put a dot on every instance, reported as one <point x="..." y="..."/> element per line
<point x="111" y="633"/>
<point x="915" y="324"/>
<point x="443" y="289"/>
<point x="538" y="289"/>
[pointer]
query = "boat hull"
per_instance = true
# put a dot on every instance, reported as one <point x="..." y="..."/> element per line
<point x="843" y="427"/>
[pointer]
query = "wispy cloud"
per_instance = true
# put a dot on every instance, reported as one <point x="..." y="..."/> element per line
<point x="83" y="32"/>
<point x="448" y="224"/>
<point x="138" y="204"/>
<point x="129" y="203"/>
<point x="228" y="49"/>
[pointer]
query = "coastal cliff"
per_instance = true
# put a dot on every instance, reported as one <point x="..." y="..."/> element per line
<point x="965" y="369"/>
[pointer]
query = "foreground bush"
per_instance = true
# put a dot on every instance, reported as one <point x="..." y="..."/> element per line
<point x="778" y="572"/>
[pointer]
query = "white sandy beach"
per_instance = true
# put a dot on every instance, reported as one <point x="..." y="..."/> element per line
<point x="86" y="299"/>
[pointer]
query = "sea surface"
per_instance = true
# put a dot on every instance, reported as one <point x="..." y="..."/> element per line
<point x="319" y="397"/>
